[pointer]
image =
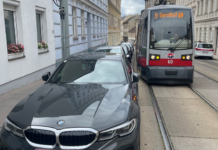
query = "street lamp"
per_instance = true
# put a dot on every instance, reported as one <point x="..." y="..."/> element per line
<point x="57" y="2"/>
<point x="62" y="10"/>
<point x="64" y="38"/>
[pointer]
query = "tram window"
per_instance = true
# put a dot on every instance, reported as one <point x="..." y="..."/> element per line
<point x="171" y="28"/>
<point x="144" y="37"/>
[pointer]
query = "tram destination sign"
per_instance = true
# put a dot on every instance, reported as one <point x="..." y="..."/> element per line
<point x="169" y="15"/>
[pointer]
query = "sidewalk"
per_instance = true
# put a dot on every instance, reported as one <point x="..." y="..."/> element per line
<point x="215" y="56"/>
<point x="10" y="99"/>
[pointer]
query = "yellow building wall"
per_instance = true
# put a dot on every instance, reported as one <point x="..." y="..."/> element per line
<point x="114" y="22"/>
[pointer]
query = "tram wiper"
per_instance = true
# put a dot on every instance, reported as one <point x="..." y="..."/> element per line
<point x="174" y="48"/>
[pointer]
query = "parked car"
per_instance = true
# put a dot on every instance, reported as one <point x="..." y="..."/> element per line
<point x="127" y="53"/>
<point x="130" y="47"/>
<point x="110" y="49"/>
<point x="90" y="102"/>
<point x="204" y="49"/>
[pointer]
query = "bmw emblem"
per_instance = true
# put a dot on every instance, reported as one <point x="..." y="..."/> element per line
<point x="61" y="122"/>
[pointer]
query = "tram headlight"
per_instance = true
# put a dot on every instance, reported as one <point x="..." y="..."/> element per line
<point x="152" y="57"/>
<point x="188" y="57"/>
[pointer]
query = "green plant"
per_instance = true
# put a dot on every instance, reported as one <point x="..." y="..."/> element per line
<point x="42" y="45"/>
<point x="15" y="48"/>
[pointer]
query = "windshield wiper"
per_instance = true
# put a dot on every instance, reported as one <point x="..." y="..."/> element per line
<point x="174" y="48"/>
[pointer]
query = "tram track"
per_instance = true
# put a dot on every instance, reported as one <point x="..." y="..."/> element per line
<point x="201" y="96"/>
<point x="207" y="76"/>
<point x="205" y="99"/>
<point x="165" y="135"/>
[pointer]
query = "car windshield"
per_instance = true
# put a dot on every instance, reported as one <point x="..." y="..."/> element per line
<point x="110" y="50"/>
<point x="90" y="71"/>
<point x="205" y="46"/>
<point x="171" y="29"/>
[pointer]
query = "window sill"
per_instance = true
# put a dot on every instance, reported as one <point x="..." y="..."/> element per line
<point x="83" y="37"/>
<point x="75" y="38"/>
<point x="15" y="56"/>
<point x="41" y="51"/>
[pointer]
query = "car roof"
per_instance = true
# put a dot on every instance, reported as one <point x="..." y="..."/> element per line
<point x="95" y="55"/>
<point x="203" y="43"/>
<point x="126" y="43"/>
<point x="108" y="47"/>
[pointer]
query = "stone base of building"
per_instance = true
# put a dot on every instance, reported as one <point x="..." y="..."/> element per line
<point x="114" y="39"/>
<point x="22" y="81"/>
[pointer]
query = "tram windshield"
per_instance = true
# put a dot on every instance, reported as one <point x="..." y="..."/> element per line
<point x="171" y="29"/>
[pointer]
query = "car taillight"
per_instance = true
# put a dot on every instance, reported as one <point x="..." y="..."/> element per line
<point x="186" y="57"/>
<point x="198" y="49"/>
<point x="211" y="50"/>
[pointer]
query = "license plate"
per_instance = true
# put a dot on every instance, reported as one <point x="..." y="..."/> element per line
<point x="205" y="52"/>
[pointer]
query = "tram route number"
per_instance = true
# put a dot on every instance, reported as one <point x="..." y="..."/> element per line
<point x="170" y="61"/>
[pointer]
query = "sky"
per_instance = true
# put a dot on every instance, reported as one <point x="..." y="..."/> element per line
<point x="132" y="7"/>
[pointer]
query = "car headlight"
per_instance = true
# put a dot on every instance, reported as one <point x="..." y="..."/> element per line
<point x="10" y="127"/>
<point x="121" y="130"/>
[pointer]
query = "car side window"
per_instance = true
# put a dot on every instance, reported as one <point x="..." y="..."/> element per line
<point x="123" y="50"/>
<point x="129" y="68"/>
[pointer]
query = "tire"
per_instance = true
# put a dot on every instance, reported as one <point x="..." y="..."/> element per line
<point x="211" y="58"/>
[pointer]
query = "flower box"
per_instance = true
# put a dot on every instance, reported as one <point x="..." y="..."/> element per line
<point x="42" y="50"/>
<point x="15" y="48"/>
<point x="15" y="51"/>
<point x="15" y="55"/>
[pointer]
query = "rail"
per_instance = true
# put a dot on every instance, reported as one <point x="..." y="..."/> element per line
<point x="166" y="138"/>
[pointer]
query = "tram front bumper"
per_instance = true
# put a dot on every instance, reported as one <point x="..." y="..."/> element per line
<point x="169" y="75"/>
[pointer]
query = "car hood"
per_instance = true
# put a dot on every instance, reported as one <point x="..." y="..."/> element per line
<point x="97" y="106"/>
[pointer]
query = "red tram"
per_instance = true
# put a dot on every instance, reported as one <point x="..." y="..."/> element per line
<point x="165" y="46"/>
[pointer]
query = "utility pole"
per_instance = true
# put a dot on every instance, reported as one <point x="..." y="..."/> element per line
<point x="63" y="11"/>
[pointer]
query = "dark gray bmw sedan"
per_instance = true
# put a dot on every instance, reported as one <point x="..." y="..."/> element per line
<point x="90" y="102"/>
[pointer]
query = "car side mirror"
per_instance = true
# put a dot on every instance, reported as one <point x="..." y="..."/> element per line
<point x="135" y="77"/>
<point x="46" y="76"/>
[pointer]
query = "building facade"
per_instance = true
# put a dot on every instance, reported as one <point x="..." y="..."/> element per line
<point x="123" y="19"/>
<point x="130" y="24"/>
<point x="151" y="3"/>
<point x="87" y="25"/>
<point x="114" y="18"/>
<point x="27" y="42"/>
<point x="205" y="19"/>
